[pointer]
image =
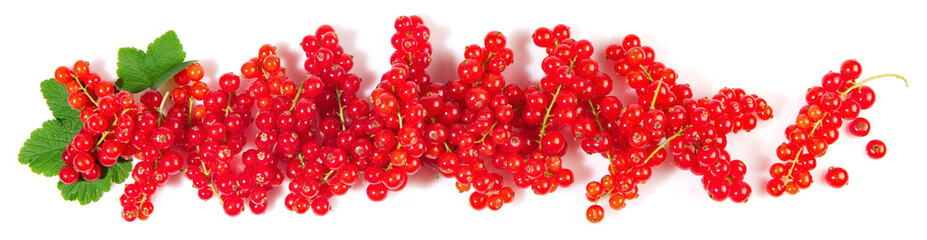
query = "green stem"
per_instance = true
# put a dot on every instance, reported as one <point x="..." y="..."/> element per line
<point x="803" y="148"/>
<point x="103" y="137"/>
<point x="596" y="115"/>
<point x="656" y="93"/>
<point x="327" y="175"/>
<point x="547" y="114"/>
<point x="228" y="106"/>
<point x="607" y="194"/>
<point x="83" y="89"/>
<point x="190" y="112"/>
<point x="299" y="91"/>
<point x="341" y="110"/>
<point x="663" y="145"/>
<point x="611" y="165"/>
<point x="487" y="133"/>
<point x="485" y="61"/>
<point x="161" y="107"/>
<point x="212" y="185"/>
<point x="864" y="81"/>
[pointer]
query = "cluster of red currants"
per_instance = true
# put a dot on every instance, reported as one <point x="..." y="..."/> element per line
<point x="383" y="145"/>
<point x="666" y="115"/>
<point x="116" y="127"/>
<point x="839" y="97"/>
<point x="153" y="137"/>
<point x="322" y="137"/>
<point x="187" y="127"/>
<point x="107" y="123"/>
<point x="223" y="117"/>
<point x="397" y="119"/>
<point x="474" y="118"/>
<point x="321" y="171"/>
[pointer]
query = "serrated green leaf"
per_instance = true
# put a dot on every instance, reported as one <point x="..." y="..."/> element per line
<point x="121" y="171"/>
<point x="57" y="99"/>
<point x="86" y="192"/>
<point x="138" y="70"/>
<point x="132" y="70"/>
<point x="165" y="52"/>
<point x="42" y="151"/>
<point x="169" y="73"/>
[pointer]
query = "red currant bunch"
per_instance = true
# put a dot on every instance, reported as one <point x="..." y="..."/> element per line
<point x="635" y="138"/>
<point x="107" y="119"/>
<point x="839" y="97"/>
<point x="475" y="121"/>
<point x="398" y="118"/>
<point x="479" y="129"/>
<point x="320" y="172"/>
<point x="153" y="137"/>
<point x="215" y="134"/>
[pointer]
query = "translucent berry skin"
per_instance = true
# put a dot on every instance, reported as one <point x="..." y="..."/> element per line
<point x="875" y="149"/>
<point x="850" y="69"/>
<point x="775" y="187"/>
<point x="740" y="192"/>
<point x="233" y="205"/>
<point x="836" y="177"/>
<point x="595" y="213"/>
<point x="68" y="175"/>
<point x="859" y="127"/>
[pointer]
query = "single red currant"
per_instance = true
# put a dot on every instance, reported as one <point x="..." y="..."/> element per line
<point x="859" y="127"/>
<point x="836" y="177"/>
<point x="595" y="213"/>
<point x="875" y="149"/>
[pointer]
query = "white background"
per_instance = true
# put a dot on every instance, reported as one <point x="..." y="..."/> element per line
<point x="776" y="50"/>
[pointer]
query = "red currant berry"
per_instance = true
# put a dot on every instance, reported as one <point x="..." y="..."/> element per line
<point x="864" y="95"/>
<point x="775" y="187"/>
<point x="478" y="200"/>
<point x="229" y="82"/>
<point x="204" y="193"/>
<point x="836" y="177"/>
<point x="68" y="175"/>
<point x="875" y="149"/>
<point x="320" y="206"/>
<point x="77" y="100"/>
<point x="233" y="205"/>
<point x="850" y="69"/>
<point x="83" y="162"/>
<point x="377" y="192"/>
<point x="271" y="63"/>
<point x="859" y="127"/>
<point x="194" y="72"/>
<point x="595" y="213"/>
<point x="740" y="192"/>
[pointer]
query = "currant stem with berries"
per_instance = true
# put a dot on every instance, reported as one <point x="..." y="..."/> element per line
<point x="838" y="97"/>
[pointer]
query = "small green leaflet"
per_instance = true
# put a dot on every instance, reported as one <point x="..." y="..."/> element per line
<point x="57" y="99"/>
<point x="86" y="192"/>
<point x="42" y="151"/>
<point x="139" y="70"/>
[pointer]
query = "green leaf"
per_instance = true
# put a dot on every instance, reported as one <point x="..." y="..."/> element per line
<point x="57" y="99"/>
<point x="165" y="52"/>
<point x="138" y="70"/>
<point x="132" y="70"/>
<point x="121" y="170"/>
<point x="86" y="192"/>
<point x="42" y="151"/>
